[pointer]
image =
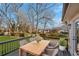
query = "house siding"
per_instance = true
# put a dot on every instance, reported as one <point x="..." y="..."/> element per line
<point x="72" y="16"/>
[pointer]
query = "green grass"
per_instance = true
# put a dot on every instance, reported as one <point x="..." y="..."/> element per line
<point x="6" y="38"/>
<point x="7" y="47"/>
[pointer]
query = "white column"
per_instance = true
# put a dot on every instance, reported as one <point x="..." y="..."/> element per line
<point x="71" y="37"/>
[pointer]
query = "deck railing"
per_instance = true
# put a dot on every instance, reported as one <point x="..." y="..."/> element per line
<point x="9" y="46"/>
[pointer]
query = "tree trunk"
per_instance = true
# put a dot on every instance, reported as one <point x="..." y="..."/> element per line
<point x="44" y="26"/>
<point x="37" y="18"/>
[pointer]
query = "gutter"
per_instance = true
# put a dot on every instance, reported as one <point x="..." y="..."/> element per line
<point x="64" y="13"/>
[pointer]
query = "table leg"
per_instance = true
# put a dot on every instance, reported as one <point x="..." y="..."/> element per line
<point x="20" y="52"/>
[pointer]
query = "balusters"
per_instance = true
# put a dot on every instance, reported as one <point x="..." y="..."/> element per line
<point x="5" y="48"/>
<point x="2" y="49"/>
<point x="9" y="46"/>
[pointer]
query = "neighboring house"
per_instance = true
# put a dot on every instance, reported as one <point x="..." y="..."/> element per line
<point x="58" y="29"/>
<point x="64" y="28"/>
<point x="45" y="31"/>
<point x="70" y="18"/>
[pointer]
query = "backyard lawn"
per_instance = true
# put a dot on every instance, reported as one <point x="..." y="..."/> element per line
<point x="8" y="47"/>
<point x="6" y="38"/>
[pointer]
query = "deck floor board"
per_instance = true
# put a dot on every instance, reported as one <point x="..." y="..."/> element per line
<point x="16" y="53"/>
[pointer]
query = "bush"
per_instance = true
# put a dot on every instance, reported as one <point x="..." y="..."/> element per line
<point x="12" y="34"/>
<point x="43" y="35"/>
<point x="1" y="34"/>
<point x="64" y="32"/>
<point x="33" y="32"/>
<point x="52" y="35"/>
<point x="21" y="34"/>
<point x="62" y="35"/>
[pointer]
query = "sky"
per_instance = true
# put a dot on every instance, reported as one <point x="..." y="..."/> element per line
<point x="58" y="15"/>
<point x="57" y="18"/>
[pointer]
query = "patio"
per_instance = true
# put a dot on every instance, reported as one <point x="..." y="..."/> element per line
<point x="59" y="53"/>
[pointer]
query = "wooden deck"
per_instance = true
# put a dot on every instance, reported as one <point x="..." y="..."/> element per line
<point x="63" y="53"/>
<point x="60" y="53"/>
<point x="15" y="53"/>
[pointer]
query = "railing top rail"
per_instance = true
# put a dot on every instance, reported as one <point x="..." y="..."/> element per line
<point x="11" y="40"/>
<point x="22" y="38"/>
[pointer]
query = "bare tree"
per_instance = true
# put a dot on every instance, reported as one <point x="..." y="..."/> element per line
<point x="23" y="21"/>
<point x="31" y="15"/>
<point x="6" y="12"/>
<point x="38" y="11"/>
<point x="48" y="17"/>
<point x="1" y="20"/>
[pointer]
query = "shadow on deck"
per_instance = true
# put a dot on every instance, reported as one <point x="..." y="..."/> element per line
<point x="14" y="53"/>
<point x="63" y="53"/>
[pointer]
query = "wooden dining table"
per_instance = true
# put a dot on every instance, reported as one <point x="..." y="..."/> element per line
<point x="34" y="48"/>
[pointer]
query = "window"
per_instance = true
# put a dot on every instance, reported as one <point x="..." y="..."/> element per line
<point x="77" y="36"/>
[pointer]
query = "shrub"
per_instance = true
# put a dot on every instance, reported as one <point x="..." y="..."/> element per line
<point x="21" y="34"/>
<point x="12" y="34"/>
<point x="53" y="35"/>
<point x="1" y="33"/>
<point x="64" y="32"/>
